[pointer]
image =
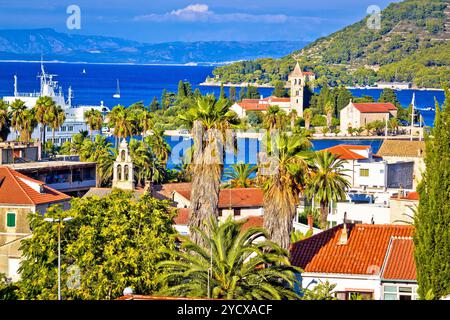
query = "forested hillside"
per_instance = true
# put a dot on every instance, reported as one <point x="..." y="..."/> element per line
<point x="413" y="44"/>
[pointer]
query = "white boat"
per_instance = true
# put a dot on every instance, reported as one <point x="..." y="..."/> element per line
<point x="117" y="94"/>
<point x="84" y="71"/>
<point x="74" y="114"/>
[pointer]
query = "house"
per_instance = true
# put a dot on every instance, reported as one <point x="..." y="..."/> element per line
<point x="18" y="152"/>
<point x="71" y="177"/>
<point x="237" y="202"/>
<point x="393" y="85"/>
<point x="357" y="115"/>
<point x="365" y="260"/>
<point x="395" y="208"/>
<point x="366" y="170"/>
<point x="19" y="196"/>
<point x="262" y="104"/>
<point x="405" y="150"/>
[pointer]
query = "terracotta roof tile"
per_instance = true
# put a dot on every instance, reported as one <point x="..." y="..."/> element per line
<point x="364" y="252"/>
<point x="400" y="264"/>
<point x="182" y="216"/>
<point x="402" y="148"/>
<point x="374" y="107"/>
<point x="235" y="198"/>
<point x="253" y="221"/>
<point x="14" y="189"/>
<point x="412" y="196"/>
<point x="345" y="151"/>
<point x="252" y="106"/>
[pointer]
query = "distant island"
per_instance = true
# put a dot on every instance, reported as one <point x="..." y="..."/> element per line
<point x="28" y="45"/>
<point x="412" y="45"/>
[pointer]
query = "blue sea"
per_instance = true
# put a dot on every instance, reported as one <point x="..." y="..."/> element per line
<point x="143" y="82"/>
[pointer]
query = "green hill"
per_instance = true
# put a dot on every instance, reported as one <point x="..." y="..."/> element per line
<point x="413" y="44"/>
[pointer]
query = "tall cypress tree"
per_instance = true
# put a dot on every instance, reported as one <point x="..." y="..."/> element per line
<point x="222" y="92"/>
<point x="242" y="93"/>
<point x="232" y="94"/>
<point x="181" y="90"/>
<point x="432" y="221"/>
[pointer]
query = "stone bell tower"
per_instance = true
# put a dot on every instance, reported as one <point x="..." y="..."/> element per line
<point x="123" y="169"/>
<point x="297" y="81"/>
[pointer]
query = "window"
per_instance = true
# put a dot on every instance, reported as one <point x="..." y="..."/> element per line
<point x="354" y="295"/>
<point x="393" y="292"/>
<point x="11" y="220"/>
<point x="70" y="128"/>
<point x="363" y="172"/>
<point x="63" y="129"/>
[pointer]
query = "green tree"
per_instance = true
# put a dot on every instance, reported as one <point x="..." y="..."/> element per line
<point x="94" y="120"/>
<point x="232" y="94"/>
<point x="56" y="120"/>
<point x="17" y="108"/>
<point x="154" y="105"/>
<point x="388" y="95"/>
<point x="238" y="176"/>
<point x="146" y="121"/>
<point x="282" y="177"/>
<point x="242" y="93"/>
<point x="327" y="181"/>
<point x="432" y="236"/>
<point x="252" y="92"/>
<point x="322" y="291"/>
<point x="115" y="242"/>
<point x="43" y="113"/>
<point x="275" y="118"/>
<point x="5" y="121"/>
<point x="181" y="90"/>
<point x="279" y="90"/>
<point x="8" y="290"/>
<point x="122" y="121"/>
<point x="159" y="146"/>
<point x="241" y="267"/>
<point x="209" y="120"/>
<point x="307" y="114"/>
<point x="222" y="92"/>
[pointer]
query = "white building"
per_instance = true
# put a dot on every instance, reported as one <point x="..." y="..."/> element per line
<point x="365" y="170"/>
<point x="357" y="115"/>
<point x="361" y="260"/>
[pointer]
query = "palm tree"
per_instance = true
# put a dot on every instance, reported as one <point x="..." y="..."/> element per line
<point x="307" y="115"/>
<point x="327" y="181"/>
<point x="159" y="146"/>
<point x="57" y="119"/>
<point x="293" y="115"/>
<point x="74" y="146"/>
<point x="239" y="176"/>
<point x="394" y="124"/>
<point x="122" y="121"/>
<point x="26" y="123"/>
<point x="282" y="177"/>
<point x="329" y="110"/>
<point x="43" y="111"/>
<point x="4" y="120"/>
<point x="274" y="118"/>
<point x="145" y="121"/>
<point x="100" y="151"/>
<point x="209" y="120"/>
<point x="142" y="159"/>
<point x="94" y="120"/>
<point x="233" y="264"/>
<point x="17" y="108"/>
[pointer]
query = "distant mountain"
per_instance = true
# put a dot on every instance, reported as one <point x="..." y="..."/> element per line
<point x="412" y="44"/>
<point x="30" y="44"/>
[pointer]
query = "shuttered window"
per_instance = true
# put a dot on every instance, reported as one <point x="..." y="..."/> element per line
<point x="10" y="220"/>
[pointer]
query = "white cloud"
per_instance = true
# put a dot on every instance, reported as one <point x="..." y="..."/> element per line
<point x="202" y="13"/>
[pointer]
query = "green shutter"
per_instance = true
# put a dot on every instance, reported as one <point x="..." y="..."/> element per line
<point x="10" y="220"/>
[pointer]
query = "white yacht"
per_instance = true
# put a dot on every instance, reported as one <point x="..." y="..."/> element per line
<point x="75" y="121"/>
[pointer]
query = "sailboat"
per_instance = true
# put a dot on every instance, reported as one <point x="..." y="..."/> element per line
<point x="84" y="71"/>
<point x="117" y="94"/>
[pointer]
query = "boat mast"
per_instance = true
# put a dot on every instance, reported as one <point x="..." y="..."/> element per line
<point x="15" y="86"/>
<point x="412" y="114"/>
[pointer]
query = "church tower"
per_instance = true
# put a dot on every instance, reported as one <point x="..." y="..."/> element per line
<point x="123" y="169"/>
<point x="297" y="81"/>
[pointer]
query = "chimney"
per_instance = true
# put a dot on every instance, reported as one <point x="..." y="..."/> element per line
<point x="310" y="222"/>
<point x="343" y="239"/>
<point x="401" y="192"/>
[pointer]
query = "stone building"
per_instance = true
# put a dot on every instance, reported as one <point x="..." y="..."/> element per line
<point x="357" y="115"/>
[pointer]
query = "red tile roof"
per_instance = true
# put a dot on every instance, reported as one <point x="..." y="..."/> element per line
<point x="345" y="151"/>
<point x="363" y="254"/>
<point x="235" y="198"/>
<point x="400" y="264"/>
<point x="412" y="196"/>
<point x="308" y="73"/>
<point x="182" y="216"/>
<point x="253" y="221"/>
<point x="374" y="107"/>
<point x="253" y="106"/>
<point x="14" y="190"/>
<point x="277" y="99"/>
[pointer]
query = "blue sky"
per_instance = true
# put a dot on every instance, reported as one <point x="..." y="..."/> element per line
<point x="181" y="20"/>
